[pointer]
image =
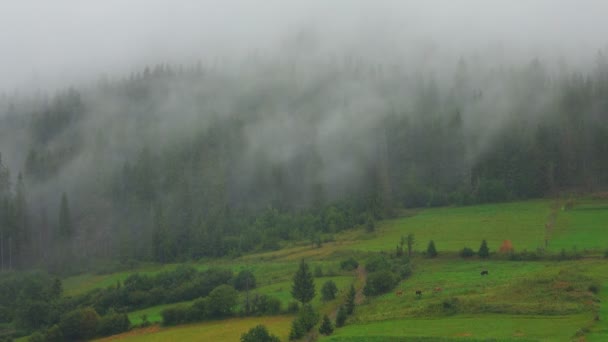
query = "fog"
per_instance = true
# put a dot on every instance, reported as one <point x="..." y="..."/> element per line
<point x="52" y="44"/>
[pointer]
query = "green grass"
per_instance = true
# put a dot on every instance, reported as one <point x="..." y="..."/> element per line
<point x="519" y="301"/>
<point x="583" y="227"/>
<point x="501" y="327"/>
<point x="454" y="228"/>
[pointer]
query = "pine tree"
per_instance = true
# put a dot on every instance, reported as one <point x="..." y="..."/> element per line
<point x="65" y="221"/>
<point x="431" y="251"/>
<point x="341" y="316"/>
<point x="410" y="244"/>
<point x="328" y="291"/>
<point x="350" y="300"/>
<point x="303" y="284"/>
<point x="484" y="251"/>
<point x="326" y="327"/>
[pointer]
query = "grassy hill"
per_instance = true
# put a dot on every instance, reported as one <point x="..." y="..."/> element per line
<point x="554" y="298"/>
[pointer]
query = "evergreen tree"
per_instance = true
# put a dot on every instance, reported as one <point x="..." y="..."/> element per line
<point x="326" y="327"/>
<point x="350" y="300"/>
<point x="303" y="284"/>
<point x="431" y="251"/>
<point x="328" y="291"/>
<point x="21" y="215"/>
<point x="64" y="229"/>
<point x="341" y="316"/>
<point x="484" y="251"/>
<point x="410" y="240"/>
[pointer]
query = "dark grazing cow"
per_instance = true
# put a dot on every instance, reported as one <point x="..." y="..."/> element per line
<point x="484" y="272"/>
<point x="418" y="293"/>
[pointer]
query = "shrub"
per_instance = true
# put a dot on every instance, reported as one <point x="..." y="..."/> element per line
<point x="329" y="291"/>
<point x="467" y="252"/>
<point x="54" y="334"/>
<point x="326" y="327"/>
<point x="113" y="323"/>
<point x="377" y="263"/>
<point x="259" y="333"/>
<point x="244" y="280"/>
<point x="266" y="305"/>
<point x="222" y="301"/>
<point x="431" y="251"/>
<point x="36" y="337"/>
<point x="506" y="247"/>
<point x="606" y="253"/>
<point x="198" y="311"/>
<point x="80" y="324"/>
<point x="349" y="264"/>
<point x="175" y="315"/>
<point x="380" y="282"/>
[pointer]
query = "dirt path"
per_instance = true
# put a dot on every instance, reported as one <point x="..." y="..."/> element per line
<point x="360" y="284"/>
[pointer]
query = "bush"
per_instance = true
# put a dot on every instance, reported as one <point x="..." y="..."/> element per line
<point x="378" y="263"/>
<point x="244" y="280"/>
<point x="54" y="334"/>
<point x="467" y="252"/>
<point x="222" y="301"/>
<point x="175" y="315"/>
<point x="326" y="327"/>
<point x="349" y="264"/>
<point x="431" y="251"/>
<point x="259" y="333"/>
<point x="198" y="311"/>
<point x="266" y="305"/>
<point x="113" y="323"/>
<point x="380" y="282"/>
<point x="329" y="291"/>
<point x="80" y="324"/>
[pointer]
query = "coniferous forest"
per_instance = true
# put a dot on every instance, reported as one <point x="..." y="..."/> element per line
<point x="175" y="163"/>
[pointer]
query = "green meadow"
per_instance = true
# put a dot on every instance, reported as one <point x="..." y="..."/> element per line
<point x="547" y="299"/>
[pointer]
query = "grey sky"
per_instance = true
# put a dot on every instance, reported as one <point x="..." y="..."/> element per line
<point x="49" y="43"/>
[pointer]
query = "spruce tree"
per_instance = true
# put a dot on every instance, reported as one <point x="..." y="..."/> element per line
<point x="303" y="284"/>
<point x="326" y="327"/>
<point x="484" y="251"/>
<point x="350" y="300"/>
<point x="431" y="251"/>
<point x="341" y="316"/>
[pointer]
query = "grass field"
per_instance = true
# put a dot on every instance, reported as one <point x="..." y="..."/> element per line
<point x="518" y="301"/>
<point x="224" y="330"/>
<point x="500" y="327"/>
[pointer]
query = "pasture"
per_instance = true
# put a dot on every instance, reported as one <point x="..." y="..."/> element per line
<point x="545" y="300"/>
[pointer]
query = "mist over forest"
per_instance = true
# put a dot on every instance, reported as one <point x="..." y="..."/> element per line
<point x="224" y="137"/>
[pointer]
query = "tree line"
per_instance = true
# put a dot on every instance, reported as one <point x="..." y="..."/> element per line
<point x="173" y="164"/>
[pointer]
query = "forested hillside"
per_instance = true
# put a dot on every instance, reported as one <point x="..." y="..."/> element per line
<point x="177" y="163"/>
